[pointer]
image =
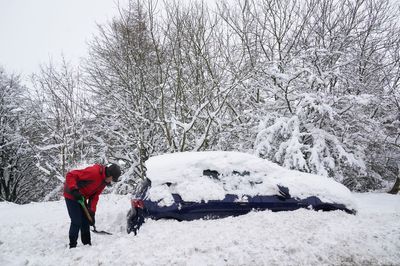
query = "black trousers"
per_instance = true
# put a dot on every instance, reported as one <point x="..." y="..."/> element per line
<point x="78" y="222"/>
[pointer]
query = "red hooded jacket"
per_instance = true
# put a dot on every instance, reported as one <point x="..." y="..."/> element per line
<point x="89" y="181"/>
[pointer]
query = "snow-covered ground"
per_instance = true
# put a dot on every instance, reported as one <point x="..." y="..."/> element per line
<point x="37" y="234"/>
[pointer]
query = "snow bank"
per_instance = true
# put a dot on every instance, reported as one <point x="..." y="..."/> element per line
<point x="185" y="172"/>
<point x="37" y="234"/>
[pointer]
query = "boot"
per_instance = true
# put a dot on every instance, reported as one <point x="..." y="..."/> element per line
<point x="85" y="237"/>
<point x="72" y="242"/>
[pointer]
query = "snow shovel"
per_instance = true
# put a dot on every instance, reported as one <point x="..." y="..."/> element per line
<point x="89" y="217"/>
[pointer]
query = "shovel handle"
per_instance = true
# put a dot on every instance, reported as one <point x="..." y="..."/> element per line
<point x="85" y="210"/>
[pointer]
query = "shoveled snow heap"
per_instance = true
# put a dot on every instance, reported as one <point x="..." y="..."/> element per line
<point x="185" y="172"/>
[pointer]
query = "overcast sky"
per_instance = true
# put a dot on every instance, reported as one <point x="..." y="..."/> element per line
<point x="33" y="31"/>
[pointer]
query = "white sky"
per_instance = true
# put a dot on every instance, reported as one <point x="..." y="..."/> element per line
<point x="34" y="31"/>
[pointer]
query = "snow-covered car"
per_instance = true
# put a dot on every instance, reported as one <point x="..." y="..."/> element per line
<point x="216" y="184"/>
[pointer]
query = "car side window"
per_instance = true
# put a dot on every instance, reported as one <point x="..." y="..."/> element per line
<point x="234" y="180"/>
<point x="244" y="173"/>
<point x="212" y="174"/>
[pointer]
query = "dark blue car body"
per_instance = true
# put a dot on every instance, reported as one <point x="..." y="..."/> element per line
<point x="231" y="205"/>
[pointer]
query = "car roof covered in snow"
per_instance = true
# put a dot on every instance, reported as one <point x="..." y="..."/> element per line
<point x="210" y="175"/>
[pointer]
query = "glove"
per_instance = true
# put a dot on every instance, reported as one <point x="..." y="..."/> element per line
<point x="76" y="194"/>
<point x="92" y="214"/>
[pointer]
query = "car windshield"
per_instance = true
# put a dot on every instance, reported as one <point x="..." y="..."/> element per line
<point x="141" y="188"/>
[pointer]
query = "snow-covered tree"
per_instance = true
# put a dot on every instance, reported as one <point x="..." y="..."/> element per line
<point x="296" y="82"/>
<point x="123" y="75"/>
<point x="16" y="182"/>
<point x="60" y="135"/>
<point x="160" y="86"/>
<point x="330" y="103"/>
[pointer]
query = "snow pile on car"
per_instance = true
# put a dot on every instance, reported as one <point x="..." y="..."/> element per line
<point x="237" y="173"/>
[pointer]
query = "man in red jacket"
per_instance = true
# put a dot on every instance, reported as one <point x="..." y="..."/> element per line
<point x="88" y="184"/>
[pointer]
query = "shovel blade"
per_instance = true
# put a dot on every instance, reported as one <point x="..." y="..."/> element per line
<point x="94" y="230"/>
<point x="101" y="232"/>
